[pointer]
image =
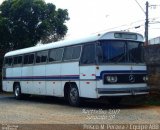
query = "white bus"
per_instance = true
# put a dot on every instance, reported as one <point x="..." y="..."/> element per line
<point x="103" y="65"/>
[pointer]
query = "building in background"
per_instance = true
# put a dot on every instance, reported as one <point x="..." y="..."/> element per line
<point x="155" y="40"/>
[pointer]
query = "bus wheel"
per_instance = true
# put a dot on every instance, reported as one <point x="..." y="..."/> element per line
<point x="73" y="96"/>
<point x="17" y="91"/>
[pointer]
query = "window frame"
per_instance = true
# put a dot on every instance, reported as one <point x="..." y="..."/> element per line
<point x="49" y="62"/>
<point x="68" y="60"/>
<point x="86" y="44"/>
<point x="40" y="61"/>
<point x="6" y="65"/>
<point x="13" y="64"/>
<point x="27" y="63"/>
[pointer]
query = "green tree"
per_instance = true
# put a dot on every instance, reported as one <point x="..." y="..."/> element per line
<point x="4" y="44"/>
<point x="25" y="22"/>
<point x="4" y="35"/>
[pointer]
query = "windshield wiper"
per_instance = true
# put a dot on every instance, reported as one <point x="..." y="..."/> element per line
<point x="121" y="57"/>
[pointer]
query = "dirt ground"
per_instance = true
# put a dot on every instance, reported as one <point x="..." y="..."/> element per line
<point x="49" y="110"/>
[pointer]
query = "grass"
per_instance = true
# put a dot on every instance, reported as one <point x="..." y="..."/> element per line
<point x="152" y="99"/>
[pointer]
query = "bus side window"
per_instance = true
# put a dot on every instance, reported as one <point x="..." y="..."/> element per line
<point x="29" y="59"/>
<point x="68" y="53"/>
<point x="20" y="60"/>
<point x="72" y="53"/>
<point x="88" y="55"/>
<point x="41" y="57"/>
<point x="17" y="60"/>
<point x="26" y="59"/>
<point x="5" y="61"/>
<point x="8" y="61"/>
<point x="55" y="54"/>
<point x="76" y="52"/>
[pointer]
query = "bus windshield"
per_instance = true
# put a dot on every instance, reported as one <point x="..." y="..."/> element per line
<point x="112" y="51"/>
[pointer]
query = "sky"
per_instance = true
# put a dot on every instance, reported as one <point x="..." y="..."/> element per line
<point x="96" y="16"/>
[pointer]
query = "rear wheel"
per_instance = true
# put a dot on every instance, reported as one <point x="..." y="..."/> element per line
<point x="73" y="96"/>
<point x="17" y="92"/>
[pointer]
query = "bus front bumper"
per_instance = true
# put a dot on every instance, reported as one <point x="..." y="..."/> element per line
<point x="123" y="91"/>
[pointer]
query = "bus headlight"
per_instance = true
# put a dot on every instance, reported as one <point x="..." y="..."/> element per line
<point x="145" y="78"/>
<point x="111" y="78"/>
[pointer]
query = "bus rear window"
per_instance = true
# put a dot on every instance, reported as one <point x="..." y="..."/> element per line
<point x="8" y="61"/>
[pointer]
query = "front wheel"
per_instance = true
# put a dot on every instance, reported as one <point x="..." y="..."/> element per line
<point x="17" y="91"/>
<point x="73" y="96"/>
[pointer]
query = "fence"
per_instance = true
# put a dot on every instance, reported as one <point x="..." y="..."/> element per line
<point x="152" y="58"/>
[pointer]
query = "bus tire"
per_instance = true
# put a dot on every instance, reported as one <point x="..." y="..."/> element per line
<point x="17" y="91"/>
<point x="73" y="95"/>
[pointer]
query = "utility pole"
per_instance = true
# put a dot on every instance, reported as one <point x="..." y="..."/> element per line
<point x="146" y="20"/>
<point x="146" y="24"/>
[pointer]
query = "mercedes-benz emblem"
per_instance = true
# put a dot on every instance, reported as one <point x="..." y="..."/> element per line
<point x="131" y="78"/>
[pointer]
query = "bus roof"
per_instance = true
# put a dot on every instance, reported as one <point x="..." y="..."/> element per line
<point x="95" y="37"/>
